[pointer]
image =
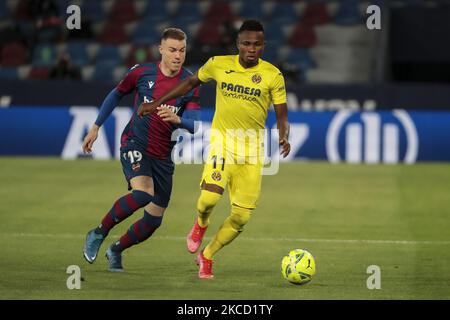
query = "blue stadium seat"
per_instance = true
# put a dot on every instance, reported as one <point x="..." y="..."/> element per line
<point x="252" y="9"/>
<point x="9" y="73"/>
<point x="188" y="11"/>
<point x="104" y="71"/>
<point x="274" y="34"/>
<point x="301" y="58"/>
<point x="26" y="28"/>
<point x="348" y="13"/>
<point x="78" y="53"/>
<point x="93" y="11"/>
<point x="62" y="6"/>
<point x="4" y="12"/>
<point x="156" y="10"/>
<point x="283" y="12"/>
<point x="44" y="55"/>
<point x="183" y="24"/>
<point x="108" y="54"/>
<point x="270" y="54"/>
<point x="146" y="34"/>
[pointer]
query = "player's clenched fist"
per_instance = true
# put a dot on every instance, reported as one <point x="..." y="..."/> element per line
<point x="147" y="108"/>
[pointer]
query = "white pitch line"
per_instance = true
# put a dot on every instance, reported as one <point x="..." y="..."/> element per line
<point x="178" y="238"/>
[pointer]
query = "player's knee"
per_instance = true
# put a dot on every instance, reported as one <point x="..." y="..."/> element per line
<point x="151" y="221"/>
<point x="207" y="201"/>
<point x="239" y="217"/>
<point x="142" y="198"/>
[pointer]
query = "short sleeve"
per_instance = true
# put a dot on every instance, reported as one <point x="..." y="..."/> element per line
<point x="206" y="72"/>
<point x="278" y="89"/>
<point x="129" y="81"/>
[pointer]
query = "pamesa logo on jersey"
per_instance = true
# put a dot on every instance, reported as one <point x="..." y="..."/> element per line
<point x="236" y="88"/>
<point x="372" y="137"/>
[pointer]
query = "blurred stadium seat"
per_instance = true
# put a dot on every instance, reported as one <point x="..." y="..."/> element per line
<point x="219" y="11"/>
<point x="302" y="58"/>
<point x="283" y="13"/>
<point x="14" y="54"/>
<point x="348" y="13"/>
<point x="303" y="36"/>
<point x="139" y="54"/>
<point x="44" y="55"/>
<point x="93" y="11"/>
<point x="316" y="13"/>
<point x="39" y="73"/>
<point x="108" y="54"/>
<point x="252" y="9"/>
<point x="9" y="73"/>
<point x="78" y="53"/>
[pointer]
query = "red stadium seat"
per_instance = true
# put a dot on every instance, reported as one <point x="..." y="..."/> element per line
<point x="219" y="11"/>
<point x="113" y="33"/>
<point x="39" y="73"/>
<point x="23" y="11"/>
<point x="316" y="13"/>
<point x="14" y="54"/>
<point x="123" y="11"/>
<point x="209" y="34"/>
<point x="303" y="36"/>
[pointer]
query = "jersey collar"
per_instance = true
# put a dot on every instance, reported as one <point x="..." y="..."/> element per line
<point x="241" y="68"/>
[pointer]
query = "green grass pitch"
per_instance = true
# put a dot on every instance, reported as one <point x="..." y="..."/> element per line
<point x="348" y="216"/>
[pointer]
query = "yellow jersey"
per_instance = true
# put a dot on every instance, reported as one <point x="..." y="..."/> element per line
<point x="243" y="98"/>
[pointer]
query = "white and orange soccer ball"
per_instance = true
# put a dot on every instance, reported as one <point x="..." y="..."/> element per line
<point x="298" y="267"/>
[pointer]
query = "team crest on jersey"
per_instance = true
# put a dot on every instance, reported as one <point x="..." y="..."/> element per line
<point x="216" y="176"/>
<point x="136" y="166"/>
<point x="256" y="78"/>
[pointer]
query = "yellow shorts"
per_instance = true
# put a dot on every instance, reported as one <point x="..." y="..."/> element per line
<point x="243" y="180"/>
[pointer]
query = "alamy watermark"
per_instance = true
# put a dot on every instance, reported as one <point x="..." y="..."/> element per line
<point x="235" y="146"/>
<point x="374" y="280"/>
<point x="74" y="280"/>
<point x="374" y="20"/>
<point x="74" y="19"/>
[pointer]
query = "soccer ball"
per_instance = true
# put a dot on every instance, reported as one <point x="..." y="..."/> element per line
<point x="298" y="267"/>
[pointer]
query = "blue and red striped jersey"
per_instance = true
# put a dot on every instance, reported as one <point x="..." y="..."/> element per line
<point x="151" y="132"/>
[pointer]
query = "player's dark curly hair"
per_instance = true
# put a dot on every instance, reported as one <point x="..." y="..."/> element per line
<point x="251" y="25"/>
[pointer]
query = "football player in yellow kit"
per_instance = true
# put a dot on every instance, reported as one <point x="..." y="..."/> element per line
<point x="246" y="86"/>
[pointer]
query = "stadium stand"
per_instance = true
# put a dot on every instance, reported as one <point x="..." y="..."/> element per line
<point x="326" y="41"/>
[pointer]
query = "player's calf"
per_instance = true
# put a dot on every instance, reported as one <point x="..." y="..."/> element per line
<point x="140" y="231"/>
<point x="123" y="208"/>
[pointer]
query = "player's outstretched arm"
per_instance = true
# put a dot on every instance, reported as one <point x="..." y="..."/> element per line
<point x="108" y="105"/>
<point x="283" y="128"/>
<point x="180" y="89"/>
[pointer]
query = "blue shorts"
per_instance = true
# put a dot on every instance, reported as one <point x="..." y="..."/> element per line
<point x="136" y="163"/>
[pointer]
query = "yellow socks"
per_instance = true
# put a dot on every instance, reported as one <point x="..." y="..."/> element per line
<point x="230" y="229"/>
<point x="205" y="205"/>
